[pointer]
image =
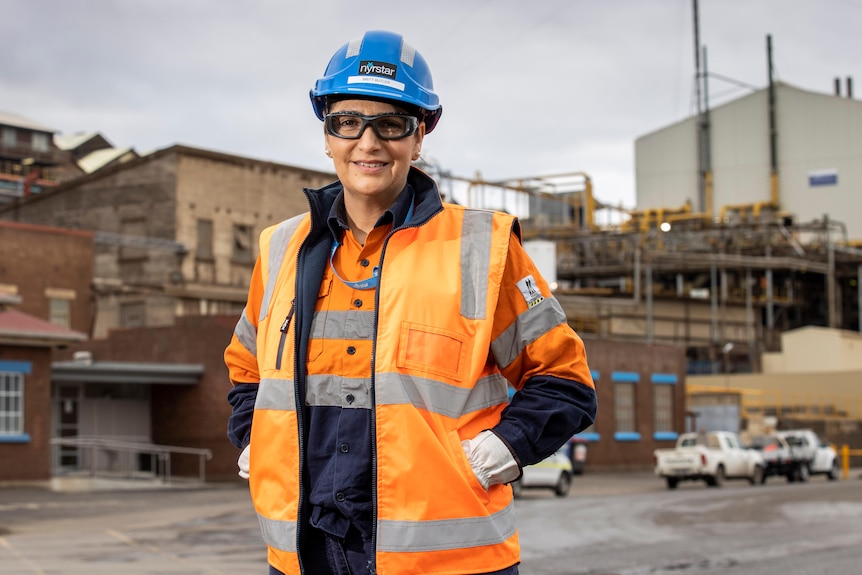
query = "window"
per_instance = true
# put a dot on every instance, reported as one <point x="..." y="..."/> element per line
<point x="663" y="407"/>
<point x="133" y="314"/>
<point x="663" y="393"/>
<point x="243" y="243"/>
<point x="205" y="240"/>
<point x="624" y="404"/>
<point x="40" y="142"/>
<point x="60" y="312"/>
<point x="136" y="230"/>
<point x="60" y="306"/>
<point x="10" y="137"/>
<point x="11" y="403"/>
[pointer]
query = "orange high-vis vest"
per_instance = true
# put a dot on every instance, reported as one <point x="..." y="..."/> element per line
<point x="434" y="385"/>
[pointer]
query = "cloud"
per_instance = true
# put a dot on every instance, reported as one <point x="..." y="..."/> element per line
<point x="527" y="88"/>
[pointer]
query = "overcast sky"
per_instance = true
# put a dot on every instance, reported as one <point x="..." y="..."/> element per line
<point x="529" y="88"/>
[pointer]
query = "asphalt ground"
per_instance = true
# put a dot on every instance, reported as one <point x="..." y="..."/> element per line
<point x="204" y="530"/>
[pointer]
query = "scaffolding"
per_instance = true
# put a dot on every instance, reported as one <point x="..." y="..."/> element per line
<point x="724" y="286"/>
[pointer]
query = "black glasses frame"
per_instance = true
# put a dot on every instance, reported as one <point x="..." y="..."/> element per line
<point x="329" y="119"/>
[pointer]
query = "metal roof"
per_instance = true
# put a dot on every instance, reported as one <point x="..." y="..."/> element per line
<point x="97" y="159"/>
<point x="21" y="327"/>
<point x="14" y="120"/>
<point x="72" y="141"/>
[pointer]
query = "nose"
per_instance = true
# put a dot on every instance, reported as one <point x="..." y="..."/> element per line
<point x="368" y="138"/>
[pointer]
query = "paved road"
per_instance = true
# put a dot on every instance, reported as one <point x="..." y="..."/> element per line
<point x="611" y="524"/>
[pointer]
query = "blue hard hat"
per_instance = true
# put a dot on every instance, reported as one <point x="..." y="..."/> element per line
<point x="379" y="65"/>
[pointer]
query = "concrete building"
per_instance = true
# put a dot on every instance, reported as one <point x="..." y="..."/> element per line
<point x="817" y="153"/>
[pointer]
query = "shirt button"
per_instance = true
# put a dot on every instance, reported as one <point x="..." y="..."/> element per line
<point x="357" y="302"/>
<point x="344" y="448"/>
<point x="351" y="350"/>
<point x="350" y="398"/>
<point x="340" y="496"/>
<point x="364" y="263"/>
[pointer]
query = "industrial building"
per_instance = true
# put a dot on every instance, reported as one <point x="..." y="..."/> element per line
<point x="747" y="230"/>
<point x="742" y="231"/>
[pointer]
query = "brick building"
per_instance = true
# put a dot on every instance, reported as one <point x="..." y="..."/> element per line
<point x="161" y="385"/>
<point x="642" y="401"/>
<point x="44" y="305"/>
<point x="175" y="231"/>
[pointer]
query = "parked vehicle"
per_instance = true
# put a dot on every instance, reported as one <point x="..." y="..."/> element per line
<point x="554" y="472"/>
<point x="820" y="456"/>
<point x="780" y="458"/>
<point x="578" y="454"/>
<point x="710" y="457"/>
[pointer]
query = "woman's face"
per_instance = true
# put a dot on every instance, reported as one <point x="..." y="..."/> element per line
<point x="369" y="167"/>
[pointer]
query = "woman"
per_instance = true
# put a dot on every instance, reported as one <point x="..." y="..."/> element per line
<point x="382" y="330"/>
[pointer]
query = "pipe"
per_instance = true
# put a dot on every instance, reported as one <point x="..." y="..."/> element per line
<point x="773" y="134"/>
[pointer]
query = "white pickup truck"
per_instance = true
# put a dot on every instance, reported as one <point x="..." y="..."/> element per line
<point x="711" y="457"/>
<point x="818" y="456"/>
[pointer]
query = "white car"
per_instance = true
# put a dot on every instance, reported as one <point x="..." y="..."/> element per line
<point x="554" y="472"/>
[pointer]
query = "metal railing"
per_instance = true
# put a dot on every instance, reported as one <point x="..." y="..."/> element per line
<point x="112" y="458"/>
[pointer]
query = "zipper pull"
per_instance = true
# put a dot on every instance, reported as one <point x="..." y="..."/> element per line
<point x="286" y="325"/>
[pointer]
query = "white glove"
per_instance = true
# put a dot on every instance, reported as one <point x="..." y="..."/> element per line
<point x="491" y="460"/>
<point x="243" y="462"/>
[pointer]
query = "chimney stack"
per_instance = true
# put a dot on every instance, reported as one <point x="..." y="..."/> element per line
<point x="837" y="86"/>
<point x="850" y="87"/>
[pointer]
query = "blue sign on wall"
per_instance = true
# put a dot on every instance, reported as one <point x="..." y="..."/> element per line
<point x="823" y="178"/>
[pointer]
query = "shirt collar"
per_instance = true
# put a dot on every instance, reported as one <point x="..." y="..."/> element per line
<point x="395" y="215"/>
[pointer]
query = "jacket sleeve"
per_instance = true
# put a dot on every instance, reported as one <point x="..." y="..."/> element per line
<point x="544" y="360"/>
<point x="241" y="360"/>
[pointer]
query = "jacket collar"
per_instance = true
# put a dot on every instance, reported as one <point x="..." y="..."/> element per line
<point x="426" y="203"/>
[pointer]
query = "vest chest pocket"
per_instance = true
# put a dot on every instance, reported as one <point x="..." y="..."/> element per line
<point x="433" y="350"/>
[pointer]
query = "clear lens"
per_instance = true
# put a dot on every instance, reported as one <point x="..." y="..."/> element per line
<point x="351" y="125"/>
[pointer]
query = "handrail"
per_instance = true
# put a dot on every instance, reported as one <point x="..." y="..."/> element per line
<point x="111" y="447"/>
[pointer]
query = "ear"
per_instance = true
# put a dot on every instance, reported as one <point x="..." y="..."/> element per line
<point x="417" y="145"/>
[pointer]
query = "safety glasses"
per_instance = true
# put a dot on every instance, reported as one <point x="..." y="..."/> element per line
<point x="350" y="125"/>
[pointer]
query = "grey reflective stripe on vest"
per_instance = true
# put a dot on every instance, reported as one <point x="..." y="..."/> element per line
<point x="246" y="333"/>
<point x="530" y="326"/>
<point x="277" y="250"/>
<point x="275" y="394"/>
<point x="476" y="231"/>
<point x="445" y="534"/>
<point x="278" y="534"/>
<point x="438" y="397"/>
<point x="343" y="325"/>
<point x="337" y="391"/>
<point x="413" y="536"/>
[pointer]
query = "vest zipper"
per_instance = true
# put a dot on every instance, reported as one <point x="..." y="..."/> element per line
<point x="374" y="494"/>
<point x="285" y="326"/>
